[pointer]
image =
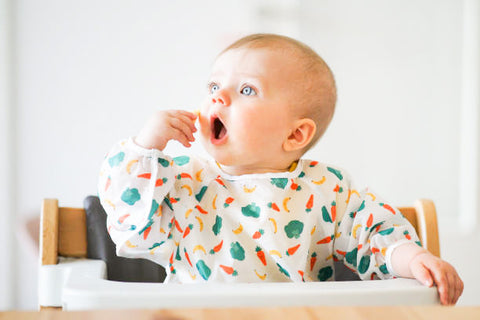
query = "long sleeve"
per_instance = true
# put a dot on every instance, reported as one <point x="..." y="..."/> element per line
<point x="368" y="230"/>
<point x="133" y="189"/>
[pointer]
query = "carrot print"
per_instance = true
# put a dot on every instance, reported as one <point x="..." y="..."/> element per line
<point x="407" y="235"/>
<point x="309" y="205"/>
<point x="375" y="250"/>
<point x="187" y="230"/>
<point x="188" y="257"/>
<point x="377" y="226"/>
<point x="122" y="218"/>
<point x="172" y="269"/>
<point x="146" y="233"/>
<point x="145" y="175"/>
<point x="369" y="221"/>
<point x="334" y="210"/>
<point x="184" y="175"/>
<point x="229" y="270"/>
<point x="295" y="186"/>
<point x="291" y="251"/>
<point x="386" y="206"/>
<point x="160" y="182"/>
<point x="177" y="225"/>
<point x="301" y="273"/>
<point x="273" y="206"/>
<point x="261" y="255"/>
<point x="228" y="201"/>
<point x="217" y="248"/>
<point x="313" y="259"/>
<point x="313" y="163"/>
<point x="326" y="239"/>
<point x="220" y="181"/>
<point x="202" y="211"/>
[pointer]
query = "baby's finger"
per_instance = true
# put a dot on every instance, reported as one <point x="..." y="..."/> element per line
<point x="189" y="121"/>
<point x="190" y="115"/>
<point x="451" y="288"/>
<point x="442" y="285"/>
<point x="456" y="286"/>
<point x="181" y="137"/>
<point x="459" y="288"/>
<point x="422" y="274"/>
<point x="179" y="124"/>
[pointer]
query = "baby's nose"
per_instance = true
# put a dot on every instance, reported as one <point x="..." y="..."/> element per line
<point x="221" y="98"/>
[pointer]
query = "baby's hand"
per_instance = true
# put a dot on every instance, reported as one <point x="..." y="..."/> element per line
<point x="164" y="126"/>
<point x="429" y="269"/>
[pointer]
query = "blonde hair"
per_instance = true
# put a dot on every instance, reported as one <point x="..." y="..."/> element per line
<point x="319" y="104"/>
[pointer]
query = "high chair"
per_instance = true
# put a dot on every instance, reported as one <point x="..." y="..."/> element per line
<point x="68" y="279"/>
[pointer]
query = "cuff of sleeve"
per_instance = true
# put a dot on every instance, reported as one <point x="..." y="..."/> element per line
<point x="388" y="256"/>
<point x="132" y="145"/>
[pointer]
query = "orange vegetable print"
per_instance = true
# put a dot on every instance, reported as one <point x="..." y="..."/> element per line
<point x="261" y="255"/>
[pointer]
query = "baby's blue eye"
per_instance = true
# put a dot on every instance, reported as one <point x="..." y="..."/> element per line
<point x="248" y="91"/>
<point x="214" y="88"/>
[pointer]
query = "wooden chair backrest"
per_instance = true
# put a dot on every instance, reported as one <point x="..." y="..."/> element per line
<point x="64" y="230"/>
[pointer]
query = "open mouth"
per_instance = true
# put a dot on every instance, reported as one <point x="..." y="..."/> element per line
<point x="219" y="131"/>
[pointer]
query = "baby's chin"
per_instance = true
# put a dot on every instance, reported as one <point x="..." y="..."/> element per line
<point x="222" y="156"/>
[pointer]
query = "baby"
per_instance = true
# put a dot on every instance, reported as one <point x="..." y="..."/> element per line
<point x="257" y="211"/>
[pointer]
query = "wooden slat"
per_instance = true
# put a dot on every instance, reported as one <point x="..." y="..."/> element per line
<point x="72" y="228"/>
<point x="42" y="308"/>
<point x="411" y="214"/>
<point x="49" y="231"/>
<point x="428" y="225"/>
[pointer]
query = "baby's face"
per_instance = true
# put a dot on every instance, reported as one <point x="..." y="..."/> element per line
<point x="249" y="109"/>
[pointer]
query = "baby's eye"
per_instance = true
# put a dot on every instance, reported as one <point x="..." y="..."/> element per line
<point x="248" y="91"/>
<point x="213" y="87"/>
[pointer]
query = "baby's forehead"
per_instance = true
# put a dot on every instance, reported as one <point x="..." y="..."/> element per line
<point x="259" y="58"/>
<point x="275" y="68"/>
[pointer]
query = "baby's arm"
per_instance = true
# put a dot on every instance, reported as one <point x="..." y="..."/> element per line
<point x="411" y="261"/>
<point x="164" y="126"/>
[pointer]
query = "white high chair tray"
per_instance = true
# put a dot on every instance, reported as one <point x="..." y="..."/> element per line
<point x="80" y="284"/>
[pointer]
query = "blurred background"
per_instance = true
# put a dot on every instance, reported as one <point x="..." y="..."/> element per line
<point x="76" y="76"/>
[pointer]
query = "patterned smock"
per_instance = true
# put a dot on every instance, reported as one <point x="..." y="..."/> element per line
<point x="202" y="224"/>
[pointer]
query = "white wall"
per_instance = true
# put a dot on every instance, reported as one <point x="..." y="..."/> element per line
<point x="90" y="73"/>
<point x="6" y="148"/>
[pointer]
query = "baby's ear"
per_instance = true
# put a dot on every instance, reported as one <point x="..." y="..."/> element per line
<point x="301" y="135"/>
